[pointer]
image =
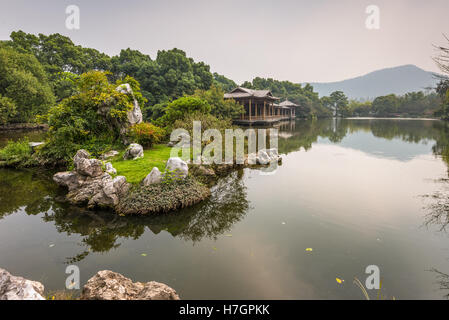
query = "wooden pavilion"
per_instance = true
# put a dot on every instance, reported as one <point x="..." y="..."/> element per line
<point x="260" y="106"/>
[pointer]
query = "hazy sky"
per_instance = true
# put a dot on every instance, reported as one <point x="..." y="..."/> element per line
<point x="296" y="40"/>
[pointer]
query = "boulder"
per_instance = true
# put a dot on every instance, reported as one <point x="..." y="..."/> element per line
<point x="88" y="184"/>
<point x="134" y="151"/>
<point x="69" y="179"/>
<point x="109" y="285"/>
<point x="109" y="154"/>
<point x="178" y="167"/>
<point x="263" y="157"/>
<point x="86" y="166"/>
<point x="18" y="288"/>
<point x="109" y="168"/>
<point x="134" y="115"/>
<point x="154" y="176"/>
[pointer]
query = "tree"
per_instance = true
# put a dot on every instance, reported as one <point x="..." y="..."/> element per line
<point x="442" y="60"/>
<point x="386" y="105"/>
<point x="339" y="101"/>
<point x="181" y="107"/>
<point x="24" y="89"/>
<point x="220" y="108"/>
<point x="92" y="118"/>
<point x="57" y="53"/>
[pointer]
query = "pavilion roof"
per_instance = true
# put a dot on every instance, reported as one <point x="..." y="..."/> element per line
<point x="241" y="92"/>
<point x="288" y="104"/>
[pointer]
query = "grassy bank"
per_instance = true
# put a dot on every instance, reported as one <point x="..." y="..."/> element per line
<point x="136" y="170"/>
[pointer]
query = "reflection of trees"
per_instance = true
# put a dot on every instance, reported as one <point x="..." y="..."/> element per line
<point x="305" y="133"/>
<point x="442" y="281"/>
<point x="29" y="190"/>
<point x="101" y="231"/>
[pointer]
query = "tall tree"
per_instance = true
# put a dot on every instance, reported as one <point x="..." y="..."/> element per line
<point x="24" y="89"/>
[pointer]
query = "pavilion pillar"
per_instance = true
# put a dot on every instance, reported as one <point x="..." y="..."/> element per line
<point x="264" y="107"/>
<point x="249" y="113"/>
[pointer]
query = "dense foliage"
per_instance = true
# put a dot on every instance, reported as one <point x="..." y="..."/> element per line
<point x="92" y="118"/>
<point x="146" y="134"/>
<point x="24" y="89"/>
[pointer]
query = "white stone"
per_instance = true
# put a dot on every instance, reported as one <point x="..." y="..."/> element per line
<point x="134" y="151"/>
<point x="178" y="167"/>
<point x="18" y="288"/>
<point x="134" y="115"/>
<point x="110" y="169"/>
<point x="263" y="157"/>
<point x="154" y="176"/>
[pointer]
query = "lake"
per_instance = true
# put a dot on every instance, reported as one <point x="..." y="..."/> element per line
<point x="358" y="192"/>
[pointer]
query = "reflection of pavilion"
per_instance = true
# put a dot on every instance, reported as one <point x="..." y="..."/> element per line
<point x="260" y="106"/>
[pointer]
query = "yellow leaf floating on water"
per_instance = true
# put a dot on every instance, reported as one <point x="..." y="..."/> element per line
<point x="309" y="249"/>
<point x="340" y="281"/>
<point x="215" y="249"/>
<point x="143" y="254"/>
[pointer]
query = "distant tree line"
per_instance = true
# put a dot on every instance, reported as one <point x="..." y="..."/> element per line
<point x="39" y="71"/>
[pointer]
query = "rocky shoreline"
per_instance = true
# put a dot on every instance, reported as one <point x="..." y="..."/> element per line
<point x="93" y="183"/>
<point x="104" y="285"/>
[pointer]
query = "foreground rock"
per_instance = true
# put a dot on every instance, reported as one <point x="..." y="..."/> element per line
<point x="108" y="285"/>
<point x="18" y="288"/>
<point x="134" y="151"/>
<point x="88" y="184"/>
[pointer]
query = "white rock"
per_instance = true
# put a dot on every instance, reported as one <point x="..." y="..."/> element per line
<point x="178" y="167"/>
<point x="273" y="154"/>
<point x="85" y="166"/>
<point x="18" y="288"/>
<point x="109" y="168"/>
<point x="134" y="151"/>
<point x="263" y="157"/>
<point x="154" y="176"/>
<point x="134" y="115"/>
<point x="109" y="154"/>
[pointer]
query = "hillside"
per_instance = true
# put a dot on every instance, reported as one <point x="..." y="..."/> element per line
<point x="397" y="80"/>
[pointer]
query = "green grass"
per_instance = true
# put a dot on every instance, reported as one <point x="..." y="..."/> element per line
<point x="136" y="170"/>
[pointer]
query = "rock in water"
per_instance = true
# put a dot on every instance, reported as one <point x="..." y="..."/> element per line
<point x="178" y="167"/>
<point x="134" y="115"/>
<point x="18" y="288"/>
<point x="88" y="184"/>
<point x="108" y="285"/>
<point x="154" y="176"/>
<point x="263" y="157"/>
<point x="134" y="151"/>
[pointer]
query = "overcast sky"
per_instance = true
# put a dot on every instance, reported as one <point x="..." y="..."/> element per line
<point x="296" y="40"/>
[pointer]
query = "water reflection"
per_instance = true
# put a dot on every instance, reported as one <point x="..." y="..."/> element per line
<point x="320" y="198"/>
<point x="35" y="193"/>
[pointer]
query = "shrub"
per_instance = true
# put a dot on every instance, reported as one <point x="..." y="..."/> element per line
<point x="16" y="153"/>
<point x="163" y="197"/>
<point x="92" y="118"/>
<point x="146" y="134"/>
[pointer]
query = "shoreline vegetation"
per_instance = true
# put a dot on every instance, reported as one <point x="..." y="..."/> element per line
<point x="93" y="104"/>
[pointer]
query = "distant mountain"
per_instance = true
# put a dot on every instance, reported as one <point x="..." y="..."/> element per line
<point x="397" y="80"/>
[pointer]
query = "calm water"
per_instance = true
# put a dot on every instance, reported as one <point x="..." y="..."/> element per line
<point x="353" y="190"/>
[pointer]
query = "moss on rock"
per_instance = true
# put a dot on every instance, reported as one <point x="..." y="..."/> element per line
<point x="162" y="197"/>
